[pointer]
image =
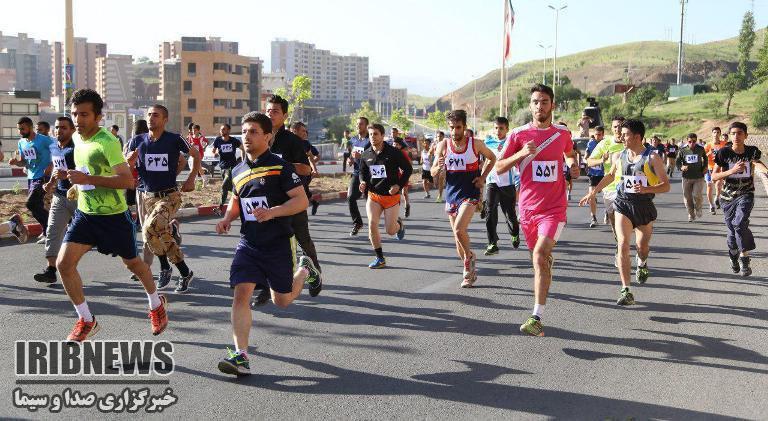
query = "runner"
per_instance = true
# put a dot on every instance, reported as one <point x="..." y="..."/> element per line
<point x="713" y="189"/>
<point x="691" y="161"/>
<point x="671" y="156"/>
<point x="583" y="124"/>
<point x="198" y="141"/>
<point x="459" y="157"/>
<point x="15" y="226"/>
<point x="500" y="191"/>
<point x="267" y="192"/>
<point x="62" y="209"/>
<point x="538" y="149"/>
<point x="158" y="156"/>
<point x="595" y="173"/>
<point x="736" y="165"/>
<point x="439" y="176"/>
<point x="101" y="220"/>
<point x="359" y="143"/>
<point x="400" y="145"/>
<point x="601" y="155"/>
<point x="346" y="147"/>
<point x="427" y="181"/>
<point x="384" y="172"/>
<point x="313" y="156"/>
<point x="225" y="148"/>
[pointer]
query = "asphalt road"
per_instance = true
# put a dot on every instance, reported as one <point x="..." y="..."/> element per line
<point x="406" y="342"/>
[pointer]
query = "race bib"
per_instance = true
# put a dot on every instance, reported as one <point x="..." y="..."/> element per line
<point x="248" y="204"/>
<point x="85" y="187"/>
<point x="691" y="159"/>
<point x="358" y="149"/>
<point x="156" y="161"/>
<point x="378" y="171"/>
<point x="30" y="154"/>
<point x="455" y="163"/>
<point x="544" y="171"/>
<point x="225" y="148"/>
<point x="59" y="162"/>
<point x="747" y="173"/>
<point x="672" y="150"/>
<point x="631" y="182"/>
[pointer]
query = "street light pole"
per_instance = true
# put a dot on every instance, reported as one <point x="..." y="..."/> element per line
<point x="544" y="72"/>
<point x="680" y="45"/>
<point x="555" y="78"/>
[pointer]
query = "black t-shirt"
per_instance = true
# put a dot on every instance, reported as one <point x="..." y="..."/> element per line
<point x="289" y="147"/>
<point x="227" y="151"/>
<point x="63" y="159"/>
<point x="382" y="170"/>
<point x="158" y="160"/>
<point x="671" y="150"/>
<point x="743" y="182"/>
<point x="263" y="183"/>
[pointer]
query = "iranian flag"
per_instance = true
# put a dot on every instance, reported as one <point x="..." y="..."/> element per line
<point x="509" y="22"/>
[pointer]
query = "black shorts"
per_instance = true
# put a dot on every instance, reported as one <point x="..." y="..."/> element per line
<point x="567" y="176"/>
<point x="130" y="197"/>
<point x="269" y="265"/>
<point x="427" y="175"/>
<point x="639" y="212"/>
<point x="594" y="180"/>
<point x="110" y="234"/>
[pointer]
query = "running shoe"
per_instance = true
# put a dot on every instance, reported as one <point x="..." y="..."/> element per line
<point x="355" y="229"/>
<point x="158" y="317"/>
<point x="401" y="232"/>
<point x="483" y="210"/>
<point x="261" y="298"/>
<point x="532" y="327"/>
<point x="407" y="211"/>
<point x="182" y="284"/>
<point x="83" y="330"/>
<point x="378" y="263"/>
<point x="642" y="273"/>
<point x="236" y="364"/>
<point x="164" y="278"/>
<point x="515" y="241"/>
<point x="734" y="262"/>
<point x="438" y="199"/>
<point x="625" y="298"/>
<point x="176" y="231"/>
<point x="491" y="250"/>
<point x="314" y="280"/>
<point x="469" y="282"/>
<point x="745" y="269"/>
<point x="18" y="229"/>
<point x="41" y="239"/>
<point x="605" y="218"/>
<point x="48" y="276"/>
<point x="712" y="209"/>
<point x="315" y="205"/>
<point x="427" y="196"/>
<point x="593" y="222"/>
<point x="717" y="202"/>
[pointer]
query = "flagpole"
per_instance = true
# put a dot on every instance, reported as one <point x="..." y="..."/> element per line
<point x="503" y="61"/>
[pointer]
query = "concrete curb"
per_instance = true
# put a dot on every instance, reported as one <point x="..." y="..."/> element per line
<point x="12" y="172"/>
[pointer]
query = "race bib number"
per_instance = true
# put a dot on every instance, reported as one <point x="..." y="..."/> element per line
<point x="248" y="204"/>
<point x="225" y="148"/>
<point x="691" y="159"/>
<point x="59" y="162"/>
<point x="378" y="171"/>
<point x="455" y="163"/>
<point x="631" y="182"/>
<point x="746" y="173"/>
<point x="30" y="154"/>
<point x="672" y="150"/>
<point x="544" y="171"/>
<point x="85" y="187"/>
<point x="358" y="149"/>
<point x="156" y="162"/>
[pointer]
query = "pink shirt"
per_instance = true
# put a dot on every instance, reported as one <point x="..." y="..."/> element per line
<point x="542" y="182"/>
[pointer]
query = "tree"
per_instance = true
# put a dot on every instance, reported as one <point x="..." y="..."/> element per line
<point x="437" y="119"/>
<point x="729" y="85"/>
<point x="746" y="41"/>
<point x="490" y="114"/>
<point x="714" y="105"/>
<point x="400" y="120"/>
<point x="760" y="115"/>
<point x="366" y="111"/>
<point x="566" y="94"/>
<point x="643" y="98"/>
<point x="336" y="126"/>
<point x="761" y="73"/>
<point x="301" y="90"/>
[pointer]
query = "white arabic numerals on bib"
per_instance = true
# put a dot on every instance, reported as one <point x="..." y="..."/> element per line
<point x="156" y="162"/>
<point x="631" y="182"/>
<point x="250" y="203"/>
<point x="544" y="171"/>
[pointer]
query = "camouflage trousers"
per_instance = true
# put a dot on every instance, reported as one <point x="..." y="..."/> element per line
<point x="155" y="214"/>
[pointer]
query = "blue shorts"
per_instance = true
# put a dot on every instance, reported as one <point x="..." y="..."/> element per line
<point x="110" y="234"/>
<point x="267" y="265"/>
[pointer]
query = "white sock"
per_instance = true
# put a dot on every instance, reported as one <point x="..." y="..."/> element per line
<point x="640" y="262"/>
<point x="83" y="312"/>
<point x="154" y="300"/>
<point x="538" y="310"/>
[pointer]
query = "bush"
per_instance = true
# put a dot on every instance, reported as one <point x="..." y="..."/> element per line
<point x="522" y="116"/>
<point x="760" y="116"/>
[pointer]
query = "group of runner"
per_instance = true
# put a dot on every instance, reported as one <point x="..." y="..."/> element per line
<point x="525" y="166"/>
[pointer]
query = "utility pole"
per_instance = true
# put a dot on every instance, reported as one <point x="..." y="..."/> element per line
<point x="555" y="77"/>
<point x="544" y="70"/>
<point x="680" y="45"/>
<point x="69" y="54"/>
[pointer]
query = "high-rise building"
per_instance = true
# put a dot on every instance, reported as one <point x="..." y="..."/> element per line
<point x="114" y="80"/>
<point x="14" y="105"/>
<point x="398" y="98"/>
<point x="85" y="56"/>
<point x="30" y="61"/>
<point x="380" y="88"/>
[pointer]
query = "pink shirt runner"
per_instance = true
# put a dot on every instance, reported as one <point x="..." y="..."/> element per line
<point x="542" y="182"/>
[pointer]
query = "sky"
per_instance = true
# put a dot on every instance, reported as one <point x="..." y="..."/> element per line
<point x="428" y="46"/>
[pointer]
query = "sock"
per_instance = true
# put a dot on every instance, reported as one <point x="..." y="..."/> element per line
<point x="640" y="262"/>
<point x="379" y="252"/>
<point x="538" y="310"/>
<point x="183" y="269"/>
<point x="84" y="312"/>
<point x="164" y="265"/>
<point x="154" y="300"/>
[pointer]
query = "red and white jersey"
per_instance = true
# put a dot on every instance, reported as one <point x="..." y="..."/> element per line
<point x="198" y="142"/>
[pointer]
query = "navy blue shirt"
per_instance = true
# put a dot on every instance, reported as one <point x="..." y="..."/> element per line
<point x="227" y="151"/>
<point x="158" y="160"/>
<point x="358" y="145"/>
<point x="63" y="159"/>
<point x="264" y="183"/>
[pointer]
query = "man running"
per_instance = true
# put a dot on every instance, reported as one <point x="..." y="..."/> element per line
<point x="595" y="173"/>
<point x="538" y="149"/>
<point x="346" y="147"/>
<point x="157" y="157"/>
<point x="199" y="142"/>
<point x="313" y="156"/>
<point x="736" y="165"/>
<point x="225" y="148"/>
<point x="601" y="155"/>
<point x="500" y="191"/>
<point x="671" y="156"/>
<point x="384" y="171"/>
<point x="459" y="157"/>
<point x="102" y="220"/>
<point x="427" y="181"/>
<point x="439" y="176"/>
<point x="62" y="209"/>
<point x="267" y="192"/>
<point x="359" y="144"/>
<point x="713" y="189"/>
<point x="691" y="161"/>
<point x="641" y="174"/>
<point x="401" y="146"/>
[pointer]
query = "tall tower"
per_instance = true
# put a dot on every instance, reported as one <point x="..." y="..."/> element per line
<point x="69" y="52"/>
